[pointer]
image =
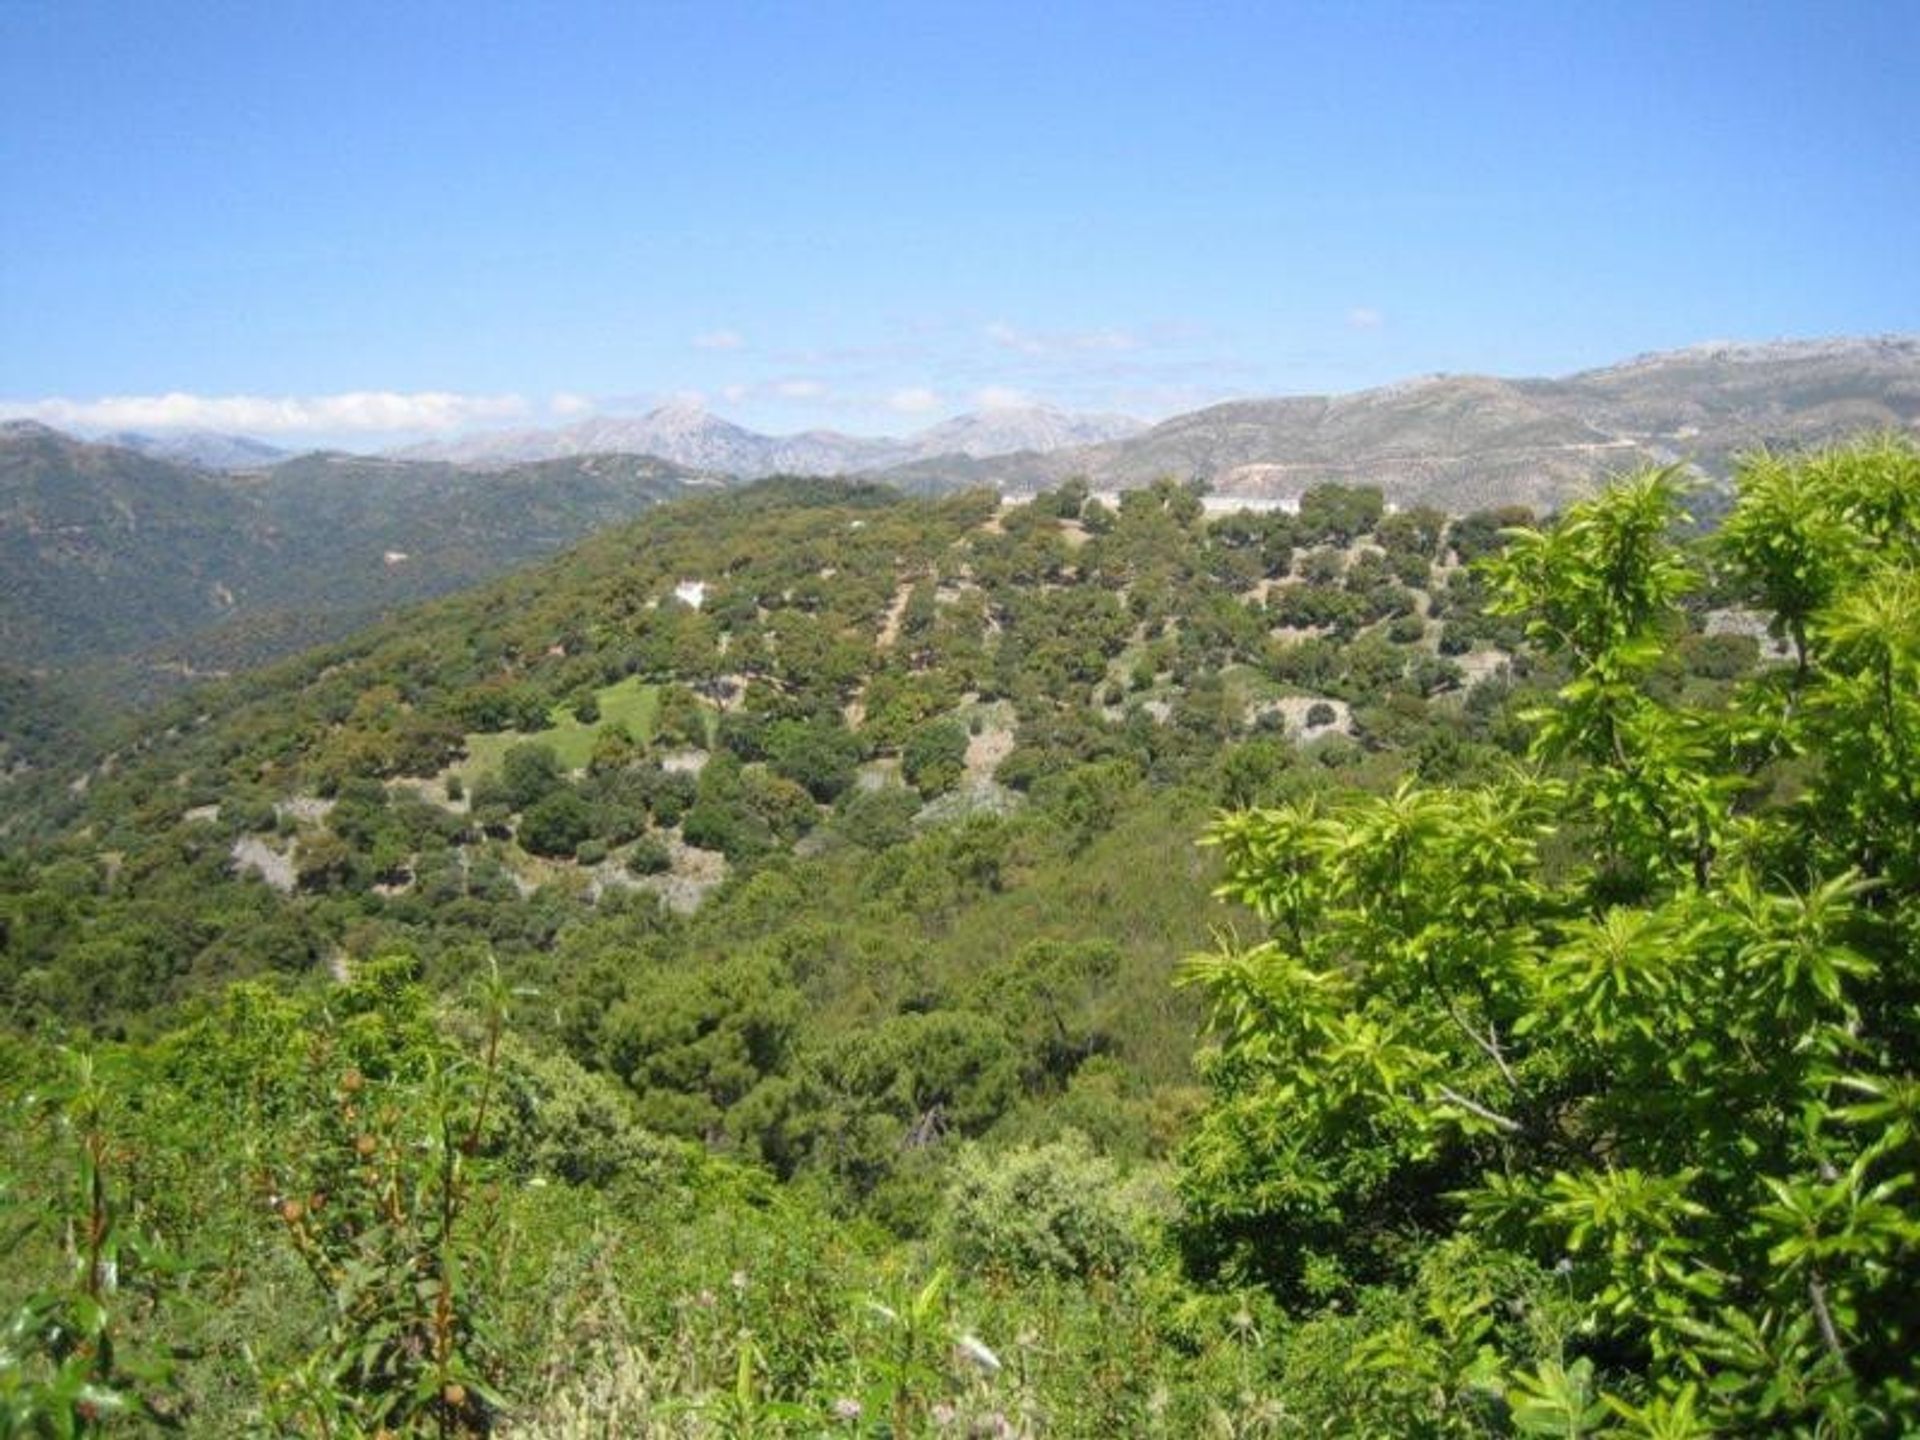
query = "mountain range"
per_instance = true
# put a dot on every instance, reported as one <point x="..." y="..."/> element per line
<point x="691" y="435"/>
<point x="208" y="449"/>
<point x="1453" y="440"/>
<point x="218" y="550"/>
<point x="1461" y="441"/>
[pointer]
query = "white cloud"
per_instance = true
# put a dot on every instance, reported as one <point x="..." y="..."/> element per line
<point x="1365" y="317"/>
<point x="1033" y="342"/>
<point x="1001" y="397"/>
<point x="685" y="400"/>
<point x="915" y="400"/>
<point x="1006" y="336"/>
<point x="734" y="394"/>
<point x="799" y="389"/>
<point x="361" y="412"/>
<point x="568" y="406"/>
<point x="720" y="340"/>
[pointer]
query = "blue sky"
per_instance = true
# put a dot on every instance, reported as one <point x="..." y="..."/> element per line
<point x="365" y="223"/>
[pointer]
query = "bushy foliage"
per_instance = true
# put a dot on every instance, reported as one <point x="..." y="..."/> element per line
<point x="1642" y="1012"/>
<point x="555" y="824"/>
<point x="707" y="1186"/>
<point x="66" y="1367"/>
<point x="934" y="756"/>
<point x="1054" y="1209"/>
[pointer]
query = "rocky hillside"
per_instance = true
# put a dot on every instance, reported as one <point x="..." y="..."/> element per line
<point x="1466" y="441"/>
<point x="690" y="435"/>
<point x="208" y="449"/>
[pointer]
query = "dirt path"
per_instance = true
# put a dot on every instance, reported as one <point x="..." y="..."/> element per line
<point x="896" y="613"/>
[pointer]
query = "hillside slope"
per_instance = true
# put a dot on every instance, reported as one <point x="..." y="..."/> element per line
<point x="1462" y="442"/>
<point x="807" y="850"/>
<point x="104" y="550"/>
<point x="109" y="553"/>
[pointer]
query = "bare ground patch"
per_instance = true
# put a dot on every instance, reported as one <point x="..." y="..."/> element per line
<point x="1294" y="709"/>
<point x="250" y="852"/>
<point x="691" y="874"/>
<point x="987" y="748"/>
<point x="896" y="613"/>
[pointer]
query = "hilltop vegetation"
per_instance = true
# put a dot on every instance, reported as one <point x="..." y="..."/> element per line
<point x="110" y="555"/>
<point x="721" y="981"/>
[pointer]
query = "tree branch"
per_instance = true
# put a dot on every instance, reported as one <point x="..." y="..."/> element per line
<point x="1474" y="1107"/>
<point x="1489" y="1043"/>
<point x="1817" y="1292"/>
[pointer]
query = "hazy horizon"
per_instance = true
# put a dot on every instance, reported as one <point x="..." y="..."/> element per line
<point x="386" y="442"/>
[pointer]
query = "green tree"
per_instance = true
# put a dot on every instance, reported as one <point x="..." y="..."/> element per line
<point x="1644" y="1012"/>
<point x="934" y="757"/>
<point x="1338" y="513"/>
<point x="693" y="1044"/>
<point x="556" y="824"/>
<point x="528" y="772"/>
<point x="818" y="754"/>
<point x="1053" y="1000"/>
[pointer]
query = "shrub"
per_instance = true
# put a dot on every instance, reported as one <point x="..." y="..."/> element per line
<point x="556" y="825"/>
<point x="879" y="819"/>
<point x="728" y="827"/>
<point x="528" y="772"/>
<point x="1053" y="1209"/>
<point x="648" y="857"/>
<point x="372" y="1186"/>
<point x="1720" y="657"/>
<point x="820" y="755"/>
<point x="935" y="757"/>
<point x="1407" y="630"/>
<point x="669" y="795"/>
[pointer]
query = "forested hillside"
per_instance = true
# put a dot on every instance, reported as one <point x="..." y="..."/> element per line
<point x="814" y="961"/>
<point x="127" y="568"/>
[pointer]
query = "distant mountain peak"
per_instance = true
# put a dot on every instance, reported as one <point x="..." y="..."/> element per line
<point x="1009" y="429"/>
<point x="683" y="412"/>
<point x="1783" y="351"/>
<point x="30" y="430"/>
<point x="1463" y="441"/>
<point x="691" y="434"/>
<point x="208" y="449"/>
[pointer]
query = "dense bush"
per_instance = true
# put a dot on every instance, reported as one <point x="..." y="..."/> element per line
<point x="556" y="824"/>
<point x="1054" y="1209"/>
<point x="819" y="755"/>
<point x="1644" y="1014"/>
<point x="933" y="758"/>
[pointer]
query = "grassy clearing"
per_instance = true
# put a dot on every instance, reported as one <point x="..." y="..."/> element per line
<point x="631" y="703"/>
